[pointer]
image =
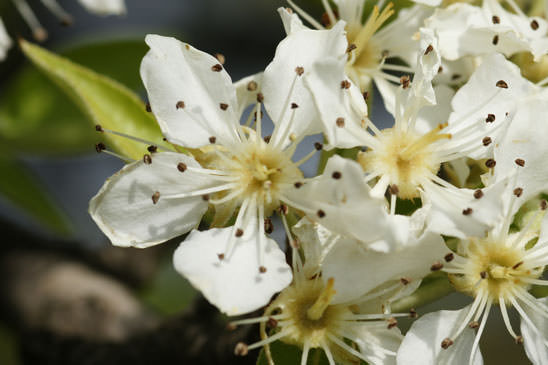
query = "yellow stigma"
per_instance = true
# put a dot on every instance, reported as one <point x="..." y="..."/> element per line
<point x="317" y="310"/>
<point x="405" y="157"/>
<point x="494" y="268"/>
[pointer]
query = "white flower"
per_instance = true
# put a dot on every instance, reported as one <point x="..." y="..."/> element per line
<point x="105" y="7"/>
<point x="5" y="41"/>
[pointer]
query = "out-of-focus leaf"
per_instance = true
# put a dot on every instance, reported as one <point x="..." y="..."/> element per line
<point x="107" y="102"/>
<point x="283" y="353"/>
<point x="21" y="188"/>
<point x="37" y="117"/>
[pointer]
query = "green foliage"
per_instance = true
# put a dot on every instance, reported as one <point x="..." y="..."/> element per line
<point x="283" y="354"/>
<point x="8" y="347"/>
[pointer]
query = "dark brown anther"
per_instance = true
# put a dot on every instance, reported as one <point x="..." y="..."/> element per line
<point x="268" y="226"/>
<point x="212" y="139"/>
<point x="495" y="19"/>
<point x="405" y="81"/>
<point x="99" y="147"/>
<point x="205" y="197"/>
<point x="446" y="343"/>
<point x="155" y="197"/>
<point x="393" y="189"/>
<point x="534" y="25"/>
<point x="440" y="69"/>
<point x="519" y="340"/>
<point x="294" y="105"/>
<point x="392" y="322"/>
<point x="223" y="106"/>
<point x="267" y="139"/>
<point x="180" y="105"/>
<point x="181" y="166"/>
<point x="351" y="47"/>
<point x="517" y="265"/>
<point x="483" y="274"/>
<point x="147" y="159"/>
<point x="518" y="192"/>
<point x="543" y="204"/>
<point x="320" y="213"/>
<point x="217" y="67"/>
<point x="262" y="269"/>
<point x="252" y="86"/>
<point x="449" y="257"/>
<point x="98" y="128"/>
<point x="490" y="118"/>
<point x="473" y="325"/>
<point x="490" y="163"/>
<point x="66" y="22"/>
<point x="413" y="313"/>
<point x="340" y="122"/>
<point x="221" y="256"/>
<point x="455" y="76"/>
<point x="231" y="326"/>
<point x="437" y="266"/>
<point x="318" y="146"/>
<point x="221" y="58"/>
<point x="520" y="162"/>
<point x="495" y="40"/>
<point x="239" y="232"/>
<point x="405" y="280"/>
<point x="336" y="175"/>
<point x="478" y="194"/>
<point x="366" y="96"/>
<point x="429" y="49"/>
<point x="152" y="148"/>
<point x="148" y="108"/>
<point x="486" y="141"/>
<point x="298" y="184"/>
<point x="345" y="84"/>
<point x="299" y="70"/>
<point x="260" y="97"/>
<point x="502" y="84"/>
<point x="467" y="211"/>
<point x="272" y="323"/>
<point x="283" y="209"/>
<point x="241" y="349"/>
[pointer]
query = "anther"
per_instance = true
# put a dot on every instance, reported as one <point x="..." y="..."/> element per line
<point x="490" y="118"/>
<point x="147" y="159"/>
<point x="543" y="204"/>
<point x="231" y="326"/>
<point x="534" y="25"/>
<point x="436" y="266"/>
<point x="180" y="105"/>
<point x="217" y="67"/>
<point x="495" y="19"/>
<point x="294" y="105"/>
<point x="490" y="163"/>
<point x="148" y="108"/>
<point x="252" y="86"/>
<point x="440" y="69"/>
<point x="366" y="95"/>
<point x="495" y="40"/>
<point x="340" y="122"/>
<point x="351" y="47"/>
<point x="272" y="323"/>
<point x="299" y="70"/>
<point x="221" y="58"/>
<point x="205" y="197"/>
<point x="283" y="209"/>
<point x="520" y="162"/>
<point x="392" y="322"/>
<point x="449" y="257"/>
<point x="518" y="191"/>
<point x="405" y="81"/>
<point x="502" y="84"/>
<point x="320" y="213"/>
<point x="99" y="147"/>
<point x="152" y="148"/>
<point x="429" y="49"/>
<point x="298" y="184"/>
<point x="239" y="232"/>
<point x="318" y="146"/>
<point x="413" y="313"/>
<point x="478" y="194"/>
<point x="181" y="166"/>
<point x="345" y="84"/>
<point x="155" y="197"/>
<point x="483" y="274"/>
<point x="241" y="349"/>
<point x="517" y="265"/>
<point x="446" y="343"/>
<point x="393" y="189"/>
<point x="268" y="226"/>
<point x="212" y="139"/>
<point x="519" y="340"/>
<point x="98" y="128"/>
<point x="267" y="139"/>
<point x="336" y="175"/>
<point x="260" y="97"/>
<point x="262" y="269"/>
<point x="405" y="280"/>
<point x="473" y="324"/>
<point x="467" y="211"/>
<point x="223" y="106"/>
<point x="221" y="256"/>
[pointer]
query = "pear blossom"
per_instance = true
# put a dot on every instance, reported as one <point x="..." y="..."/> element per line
<point x="5" y="41"/>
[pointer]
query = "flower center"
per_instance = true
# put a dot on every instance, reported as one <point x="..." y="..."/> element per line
<point x="406" y="158"/>
<point x="494" y="268"/>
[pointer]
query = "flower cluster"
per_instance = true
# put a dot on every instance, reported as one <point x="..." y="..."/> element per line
<point x="453" y="189"/>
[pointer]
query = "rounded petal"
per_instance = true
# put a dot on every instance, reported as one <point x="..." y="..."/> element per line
<point x="125" y="211"/>
<point x="233" y="284"/>
<point x="190" y="93"/>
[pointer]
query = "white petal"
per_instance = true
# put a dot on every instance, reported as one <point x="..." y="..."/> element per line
<point x="372" y="340"/>
<point x="315" y="241"/>
<point x="234" y="284"/>
<point x="5" y="41"/>
<point x="104" y="7"/>
<point x="422" y="344"/>
<point x="291" y="21"/>
<point x="124" y="209"/>
<point x="175" y="72"/>
<point x="350" y="11"/>
<point x="247" y="90"/>
<point x="282" y="86"/>
<point x="535" y="348"/>
<point x="430" y="116"/>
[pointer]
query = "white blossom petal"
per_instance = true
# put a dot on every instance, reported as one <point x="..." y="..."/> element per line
<point x="104" y="7"/>
<point x="535" y="346"/>
<point x="374" y="342"/>
<point x="291" y="21"/>
<point x="125" y="211"/>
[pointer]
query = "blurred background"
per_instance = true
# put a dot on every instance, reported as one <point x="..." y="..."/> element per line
<point x="67" y="296"/>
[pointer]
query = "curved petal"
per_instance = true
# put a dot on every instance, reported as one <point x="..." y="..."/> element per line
<point x="535" y="346"/>
<point x="374" y="343"/>
<point x="233" y="284"/>
<point x="105" y="7"/>
<point x="190" y="93"/>
<point x="421" y="345"/>
<point x="291" y="21"/>
<point x="125" y="211"/>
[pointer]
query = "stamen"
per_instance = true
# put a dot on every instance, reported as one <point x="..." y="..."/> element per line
<point x="505" y="318"/>
<point x="306" y="16"/>
<point x="329" y="11"/>
<point x="38" y="31"/>
<point x="58" y="11"/>
<point x="211" y="190"/>
<point x="375" y="21"/>
<point x="136" y="139"/>
<point x="480" y="331"/>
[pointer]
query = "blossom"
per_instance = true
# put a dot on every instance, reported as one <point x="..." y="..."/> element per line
<point x="5" y="41"/>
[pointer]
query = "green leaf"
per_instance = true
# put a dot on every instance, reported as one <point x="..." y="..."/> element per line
<point x="21" y="188"/>
<point x="283" y="353"/>
<point x="104" y="100"/>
